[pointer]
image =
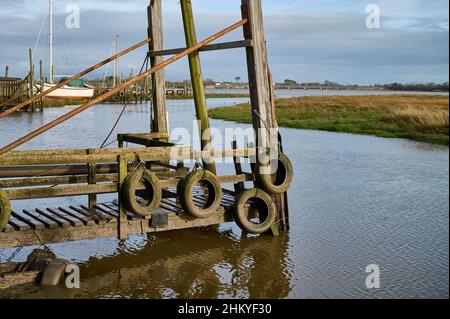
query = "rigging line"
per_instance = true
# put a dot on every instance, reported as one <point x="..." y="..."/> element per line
<point x="66" y="43"/>
<point x="39" y="36"/>
<point x="109" y="64"/>
<point x="125" y="105"/>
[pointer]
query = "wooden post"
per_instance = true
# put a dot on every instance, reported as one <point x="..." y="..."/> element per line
<point x="123" y="217"/>
<point x="155" y="32"/>
<point x="262" y="96"/>
<point x="6" y="71"/>
<point x="92" y="169"/>
<point x="257" y="72"/>
<point x="239" y="187"/>
<point x="31" y="78"/>
<point x="197" y="81"/>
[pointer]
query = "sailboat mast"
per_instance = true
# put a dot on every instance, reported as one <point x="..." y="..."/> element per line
<point x="50" y="37"/>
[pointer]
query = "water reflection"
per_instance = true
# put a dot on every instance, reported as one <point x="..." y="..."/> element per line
<point x="216" y="265"/>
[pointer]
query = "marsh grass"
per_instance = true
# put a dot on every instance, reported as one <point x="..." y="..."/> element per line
<point x="416" y="117"/>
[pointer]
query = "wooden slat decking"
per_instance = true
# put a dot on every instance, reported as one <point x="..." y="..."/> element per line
<point x="65" y="224"/>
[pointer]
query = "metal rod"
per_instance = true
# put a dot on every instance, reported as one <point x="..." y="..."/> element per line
<point x="89" y="70"/>
<point x="116" y="90"/>
<point x="50" y="37"/>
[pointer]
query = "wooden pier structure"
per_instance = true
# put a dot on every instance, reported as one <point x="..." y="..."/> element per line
<point x="155" y="191"/>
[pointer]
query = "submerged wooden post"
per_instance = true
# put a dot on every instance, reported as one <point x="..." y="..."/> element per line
<point x="92" y="172"/>
<point x="123" y="217"/>
<point x="197" y="81"/>
<point x="155" y="32"/>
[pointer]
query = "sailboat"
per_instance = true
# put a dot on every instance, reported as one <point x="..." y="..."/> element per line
<point x="74" y="90"/>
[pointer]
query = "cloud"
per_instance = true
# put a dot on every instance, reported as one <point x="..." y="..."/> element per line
<point x="307" y="40"/>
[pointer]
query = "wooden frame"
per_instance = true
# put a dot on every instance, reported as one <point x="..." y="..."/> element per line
<point x="74" y="172"/>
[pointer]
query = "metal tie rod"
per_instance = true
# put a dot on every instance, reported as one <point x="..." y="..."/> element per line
<point x="119" y="88"/>
<point x="79" y="75"/>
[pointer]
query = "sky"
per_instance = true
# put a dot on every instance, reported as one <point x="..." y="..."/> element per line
<point x="308" y="40"/>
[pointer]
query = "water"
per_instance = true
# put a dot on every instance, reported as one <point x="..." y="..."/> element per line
<point x="356" y="200"/>
<point x="295" y="93"/>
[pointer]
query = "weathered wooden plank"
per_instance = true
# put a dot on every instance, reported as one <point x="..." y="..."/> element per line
<point x="60" y="191"/>
<point x="153" y="154"/>
<point x="34" y="223"/>
<point x="58" y="235"/>
<point x="86" y="220"/>
<point x="114" y="206"/>
<point x="210" y="47"/>
<point x="106" y="210"/>
<point x="18" y="224"/>
<point x="155" y="32"/>
<point x="60" y="221"/>
<point x="93" y="210"/>
<point x="44" y="181"/>
<point x="72" y="220"/>
<point x="49" y="223"/>
<point x="91" y="214"/>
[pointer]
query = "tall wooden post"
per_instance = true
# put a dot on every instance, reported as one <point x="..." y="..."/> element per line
<point x="257" y="64"/>
<point x="31" y="78"/>
<point x="197" y="81"/>
<point x="6" y="71"/>
<point x="155" y="32"/>
<point x="261" y="95"/>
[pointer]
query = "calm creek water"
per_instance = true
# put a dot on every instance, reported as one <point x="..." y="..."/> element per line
<point x="356" y="200"/>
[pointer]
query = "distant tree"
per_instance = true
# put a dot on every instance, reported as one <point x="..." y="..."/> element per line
<point x="290" y="82"/>
<point x="238" y="79"/>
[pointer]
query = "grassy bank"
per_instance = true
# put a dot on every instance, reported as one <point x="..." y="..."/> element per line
<point x="60" y="103"/>
<point x="416" y="117"/>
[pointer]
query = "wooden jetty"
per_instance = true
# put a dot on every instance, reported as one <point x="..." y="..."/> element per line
<point x="155" y="191"/>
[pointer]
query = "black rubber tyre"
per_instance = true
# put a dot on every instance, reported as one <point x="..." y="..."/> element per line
<point x="262" y="203"/>
<point x="5" y="210"/>
<point x="281" y="181"/>
<point x="153" y="193"/>
<point x="186" y="188"/>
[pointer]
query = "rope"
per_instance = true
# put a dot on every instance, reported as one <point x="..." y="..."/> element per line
<point x="124" y="107"/>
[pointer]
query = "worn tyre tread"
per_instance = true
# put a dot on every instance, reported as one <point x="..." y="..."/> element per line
<point x="186" y="187"/>
<point x="266" y="183"/>
<point x="240" y="215"/>
<point x="129" y="193"/>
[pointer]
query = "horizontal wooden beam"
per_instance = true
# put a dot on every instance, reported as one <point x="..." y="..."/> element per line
<point x="168" y="180"/>
<point x="60" y="191"/>
<point x="211" y="47"/>
<point x="153" y="154"/>
<point x="138" y="226"/>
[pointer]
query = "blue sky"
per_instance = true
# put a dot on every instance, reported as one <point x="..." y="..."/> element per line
<point x="308" y="40"/>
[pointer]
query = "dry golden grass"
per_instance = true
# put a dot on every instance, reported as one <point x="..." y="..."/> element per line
<point x="418" y="117"/>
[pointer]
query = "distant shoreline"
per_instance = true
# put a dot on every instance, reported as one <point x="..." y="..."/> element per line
<point x="416" y="117"/>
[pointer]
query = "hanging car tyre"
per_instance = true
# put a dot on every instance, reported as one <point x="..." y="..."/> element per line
<point x="148" y="200"/>
<point x="5" y="210"/>
<point x="254" y="204"/>
<point x="210" y="183"/>
<point x="279" y="182"/>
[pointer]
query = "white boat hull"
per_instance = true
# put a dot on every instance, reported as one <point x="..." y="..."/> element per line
<point x="69" y="93"/>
